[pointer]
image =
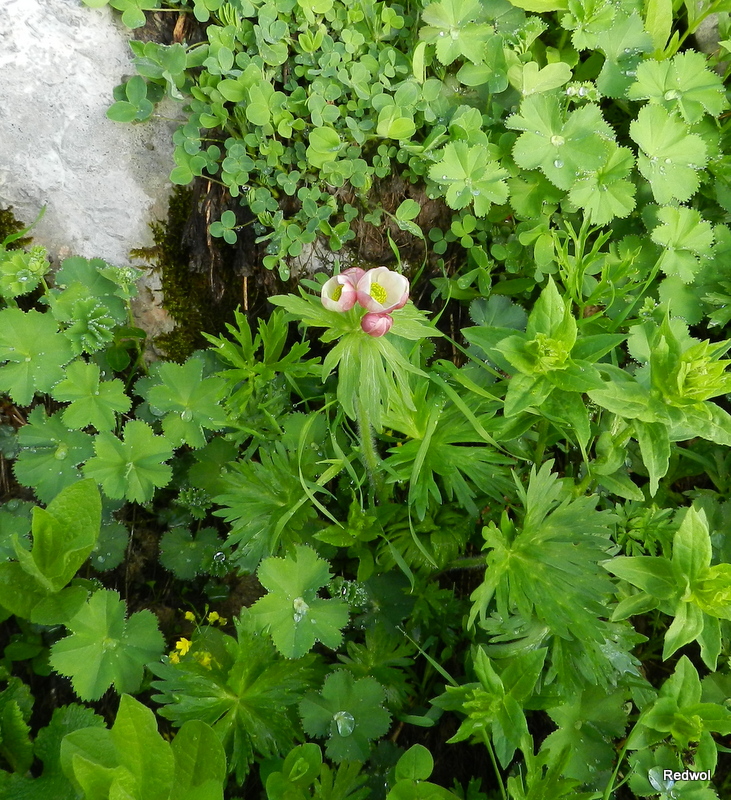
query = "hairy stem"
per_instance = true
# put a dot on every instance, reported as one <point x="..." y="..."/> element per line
<point x="370" y="454"/>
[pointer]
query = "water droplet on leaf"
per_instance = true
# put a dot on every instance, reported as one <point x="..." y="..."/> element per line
<point x="344" y="722"/>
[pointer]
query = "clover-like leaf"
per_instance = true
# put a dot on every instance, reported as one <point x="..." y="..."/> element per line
<point x="35" y="353"/>
<point x="470" y="176"/>
<point x="131" y="468"/>
<point x="350" y="712"/>
<point x="190" y="403"/>
<point x="562" y="148"/>
<point x="104" y="648"/>
<point x="684" y="83"/>
<point x="50" y="455"/>
<point x="669" y="157"/>
<point x="93" y="402"/>
<point x="684" y="236"/>
<point x="606" y="193"/>
<point x="293" y="613"/>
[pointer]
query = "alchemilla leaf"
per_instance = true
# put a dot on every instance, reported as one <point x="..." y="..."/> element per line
<point x="131" y="467"/>
<point x="684" y="83"/>
<point x="349" y="712"/>
<point x="292" y="612"/>
<point x="93" y="401"/>
<point x="607" y="193"/>
<point x="470" y="176"/>
<point x="669" y="157"/>
<point x="684" y="236"/>
<point x="190" y="403"/>
<point x="562" y="147"/>
<point x="104" y="648"/>
<point x="50" y="455"/>
<point x="34" y="352"/>
<point x="450" y="24"/>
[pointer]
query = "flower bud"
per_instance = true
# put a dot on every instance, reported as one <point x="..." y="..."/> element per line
<point x="376" y="324"/>
<point x="380" y="290"/>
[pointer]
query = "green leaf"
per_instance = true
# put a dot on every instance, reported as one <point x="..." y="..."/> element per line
<point x="540" y="6"/>
<point x="141" y="749"/>
<point x="416" y="764"/>
<point x="686" y="627"/>
<point x="131" y="468"/>
<point x="683" y="83"/>
<point x="652" y="574"/>
<point x="200" y="761"/>
<point x="264" y="502"/>
<point x="186" y="556"/>
<point x="20" y="273"/>
<point x="131" y="760"/>
<point x="34" y="351"/>
<point x="50" y="454"/>
<point x="586" y="727"/>
<point x="562" y="148"/>
<point x="246" y="693"/>
<point x="105" y="649"/>
<point x="684" y="236"/>
<point x="64" y="534"/>
<point x="452" y="26"/>
<point x="669" y="157"/>
<point x="549" y="568"/>
<point x="93" y="402"/>
<point x="324" y="145"/>
<point x="606" y="193"/>
<point x="655" y="449"/>
<point x="188" y="403"/>
<point x="534" y="79"/>
<point x="691" y="548"/>
<point x="292" y="613"/>
<point x="658" y="22"/>
<point x="470" y="177"/>
<point x="65" y="719"/>
<point x="623" y="45"/>
<point x="349" y="712"/>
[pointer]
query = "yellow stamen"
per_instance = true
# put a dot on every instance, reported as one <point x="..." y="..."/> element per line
<point x="336" y="292"/>
<point x="378" y="293"/>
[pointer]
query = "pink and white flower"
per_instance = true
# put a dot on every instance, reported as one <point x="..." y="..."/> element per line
<point x="340" y="293"/>
<point x="376" y="324"/>
<point x="381" y="290"/>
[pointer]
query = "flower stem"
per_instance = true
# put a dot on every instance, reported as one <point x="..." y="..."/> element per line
<point x="498" y="774"/>
<point x="370" y="454"/>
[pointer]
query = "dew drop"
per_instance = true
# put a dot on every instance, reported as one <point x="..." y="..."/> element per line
<point x="219" y="557"/>
<point x="300" y="609"/>
<point x="558" y="163"/>
<point x="344" y="722"/>
<point x="187" y="415"/>
<point x="668" y="161"/>
<point x="557" y="141"/>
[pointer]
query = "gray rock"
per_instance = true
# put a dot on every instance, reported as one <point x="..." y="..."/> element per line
<point x="102" y="182"/>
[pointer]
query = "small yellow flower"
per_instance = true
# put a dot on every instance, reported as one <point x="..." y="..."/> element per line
<point x="183" y="645"/>
<point x="213" y="617"/>
<point x="174" y="658"/>
<point x="190" y="616"/>
<point x="204" y="659"/>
